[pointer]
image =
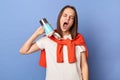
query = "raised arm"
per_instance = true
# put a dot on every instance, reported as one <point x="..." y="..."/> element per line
<point x="30" y="46"/>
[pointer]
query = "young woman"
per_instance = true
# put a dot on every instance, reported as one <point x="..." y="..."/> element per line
<point x="65" y="58"/>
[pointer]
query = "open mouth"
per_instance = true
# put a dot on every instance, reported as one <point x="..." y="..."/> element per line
<point x="65" y="24"/>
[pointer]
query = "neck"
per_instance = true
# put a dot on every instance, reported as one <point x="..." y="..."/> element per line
<point x="65" y="33"/>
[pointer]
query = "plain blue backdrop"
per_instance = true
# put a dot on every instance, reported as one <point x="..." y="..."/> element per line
<point x="99" y="22"/>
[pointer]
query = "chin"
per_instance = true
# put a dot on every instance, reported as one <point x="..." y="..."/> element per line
<point x="65" y="31"/>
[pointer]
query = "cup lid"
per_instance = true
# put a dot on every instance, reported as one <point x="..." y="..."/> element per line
<point x="43" y="21"/>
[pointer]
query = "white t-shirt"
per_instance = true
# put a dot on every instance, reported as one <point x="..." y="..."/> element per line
<point x="60" y="71"/>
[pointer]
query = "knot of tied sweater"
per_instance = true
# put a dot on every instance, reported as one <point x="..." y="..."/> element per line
<point x="71" y="50"/>
<point x="79" y="40"/>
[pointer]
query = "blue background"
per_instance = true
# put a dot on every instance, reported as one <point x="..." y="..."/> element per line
<point x="99" y="22"/>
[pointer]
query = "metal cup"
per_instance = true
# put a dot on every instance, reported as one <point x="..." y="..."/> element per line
<point x="48" y="28"/>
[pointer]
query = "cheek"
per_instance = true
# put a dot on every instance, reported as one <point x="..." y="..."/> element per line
<point x="60" y="22"/>
<point x="71" y="23"/>
<point x="61" y="19"/>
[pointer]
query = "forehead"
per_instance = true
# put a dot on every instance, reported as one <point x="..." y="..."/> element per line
<point x="69" y="11"/>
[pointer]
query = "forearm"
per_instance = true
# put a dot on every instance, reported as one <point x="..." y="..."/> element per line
<point x="25" y="48"/>
<point x="85" y="72"/>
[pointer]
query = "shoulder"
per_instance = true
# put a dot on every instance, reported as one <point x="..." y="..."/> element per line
<point x="42" y="40"/>
<point x="45" y="40"/>
<point x="79" y="34"/>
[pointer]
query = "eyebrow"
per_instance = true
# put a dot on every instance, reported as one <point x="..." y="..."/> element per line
<point x="70" y="15"/>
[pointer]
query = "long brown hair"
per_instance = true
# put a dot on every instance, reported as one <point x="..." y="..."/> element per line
<point x="73" y="29"/>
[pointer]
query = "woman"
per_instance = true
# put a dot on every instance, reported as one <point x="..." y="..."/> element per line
<point x="65" y="58"/>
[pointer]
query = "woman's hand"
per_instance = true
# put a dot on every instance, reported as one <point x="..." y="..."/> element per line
<point x="39" y="31"/>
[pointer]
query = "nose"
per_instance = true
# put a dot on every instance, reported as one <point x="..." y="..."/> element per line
<point x="68" y="18"/>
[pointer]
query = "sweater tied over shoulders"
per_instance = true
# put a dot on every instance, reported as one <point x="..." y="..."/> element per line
<point x="78" y="40"/>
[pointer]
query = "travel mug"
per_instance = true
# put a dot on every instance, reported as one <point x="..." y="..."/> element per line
<point x="48" y="28"/>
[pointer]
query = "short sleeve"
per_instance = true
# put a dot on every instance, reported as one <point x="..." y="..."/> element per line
<point x="82" y="48"/>
<point x="41" y="43"/>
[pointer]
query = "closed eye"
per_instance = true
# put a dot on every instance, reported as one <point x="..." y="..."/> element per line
<point x="64" y="15"/>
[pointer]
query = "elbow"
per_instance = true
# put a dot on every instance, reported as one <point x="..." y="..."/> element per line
<point x="22" y="51"/>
